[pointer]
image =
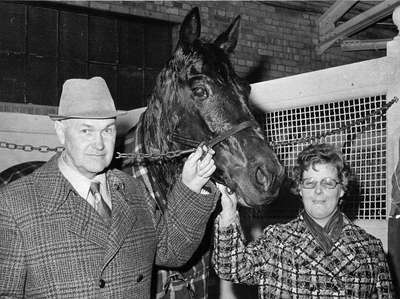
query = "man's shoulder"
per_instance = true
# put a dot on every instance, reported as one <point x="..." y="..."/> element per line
<point x="123" y="176"/>
<point x="19" y="194"/>
<point x="131" y="183"/>
<point x="19" y="185"/>
<point x="43" y="178"/>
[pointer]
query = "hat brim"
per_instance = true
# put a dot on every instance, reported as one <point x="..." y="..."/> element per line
<point x="97" y="116"/>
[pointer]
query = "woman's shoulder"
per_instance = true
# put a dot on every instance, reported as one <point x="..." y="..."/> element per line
<point x="284" y="231"/>
<point x="354" y="232"/>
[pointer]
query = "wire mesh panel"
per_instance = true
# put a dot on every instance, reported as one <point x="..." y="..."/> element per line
<point x="364" y="147"/>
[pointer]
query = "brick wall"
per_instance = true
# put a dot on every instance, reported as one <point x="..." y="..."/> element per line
<point x="274" y="41"/>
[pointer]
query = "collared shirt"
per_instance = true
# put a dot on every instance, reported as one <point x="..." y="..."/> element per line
<point x="82" y="184"/>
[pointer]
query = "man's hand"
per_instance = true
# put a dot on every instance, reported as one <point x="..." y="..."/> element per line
<point x="197" y="171"/>
<point x="229" y="204"/>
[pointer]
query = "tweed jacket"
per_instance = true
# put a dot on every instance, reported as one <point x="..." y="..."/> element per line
<point x="287" y="262"/>
<point x="53" y="244"/>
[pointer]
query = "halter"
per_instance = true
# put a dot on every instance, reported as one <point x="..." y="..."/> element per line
<point x="193" y="144"/>
<point x="213" y="141"/>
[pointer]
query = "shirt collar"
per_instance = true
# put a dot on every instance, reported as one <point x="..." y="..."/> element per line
<point x="78" y="181"/>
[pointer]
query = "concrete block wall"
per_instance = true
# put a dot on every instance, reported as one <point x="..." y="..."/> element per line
<point x="274" y="41"/>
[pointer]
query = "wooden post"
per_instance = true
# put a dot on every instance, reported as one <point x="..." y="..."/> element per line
<point x="392" y="157"/>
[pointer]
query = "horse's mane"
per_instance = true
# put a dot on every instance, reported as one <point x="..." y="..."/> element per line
<point x="161" y="115"/>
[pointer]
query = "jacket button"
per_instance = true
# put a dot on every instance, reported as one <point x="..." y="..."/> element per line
<point x="102" y="283"/>
<point x="139" y="278"/>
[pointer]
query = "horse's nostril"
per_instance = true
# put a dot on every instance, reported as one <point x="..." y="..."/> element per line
<point x="262" y="178"/>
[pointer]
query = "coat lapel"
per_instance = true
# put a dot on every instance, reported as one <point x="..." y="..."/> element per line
<point x="123" y="218"/>
<point x="85" y="222"/>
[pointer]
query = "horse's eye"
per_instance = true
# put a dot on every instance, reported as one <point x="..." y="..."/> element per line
<point x="200" y="93"/>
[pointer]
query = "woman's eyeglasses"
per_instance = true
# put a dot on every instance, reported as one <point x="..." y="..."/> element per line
<point x="327" y="183"/>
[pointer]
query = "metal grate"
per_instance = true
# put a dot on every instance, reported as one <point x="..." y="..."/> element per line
<point x="364" y="147"/>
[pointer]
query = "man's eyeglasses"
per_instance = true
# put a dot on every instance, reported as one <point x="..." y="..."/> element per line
<point x="327" y="183"/>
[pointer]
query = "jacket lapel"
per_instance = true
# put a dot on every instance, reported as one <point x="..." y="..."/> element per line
<point x="123" y="218"/>
<point x="85" y="221"/>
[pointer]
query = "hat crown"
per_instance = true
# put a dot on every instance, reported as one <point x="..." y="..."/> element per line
<point x="85" y="98"/>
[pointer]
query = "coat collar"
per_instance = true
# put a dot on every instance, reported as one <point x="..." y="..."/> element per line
<point x="52" y="187"/>
<point x="343" y="258"/>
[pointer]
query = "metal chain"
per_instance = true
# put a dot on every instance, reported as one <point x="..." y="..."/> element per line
<point x="30" y="148"/>
<point x="306" y="139"/>
<point x="140" y="157"/>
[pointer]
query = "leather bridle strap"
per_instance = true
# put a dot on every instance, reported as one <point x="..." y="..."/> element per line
<point x="214" y="141"/>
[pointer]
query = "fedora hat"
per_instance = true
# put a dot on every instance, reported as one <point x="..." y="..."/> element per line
<point x="85" y="98"/>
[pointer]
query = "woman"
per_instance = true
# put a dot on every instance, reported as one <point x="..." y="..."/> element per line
<point x="320" y="254"/>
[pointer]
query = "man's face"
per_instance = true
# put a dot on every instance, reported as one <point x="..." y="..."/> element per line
<point x="89" y="143"/>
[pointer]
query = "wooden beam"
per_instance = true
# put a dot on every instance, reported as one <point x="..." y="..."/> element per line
<point x="362" y="45"/>
<point x="357" y="23"/>
<point x="327" y="21"/>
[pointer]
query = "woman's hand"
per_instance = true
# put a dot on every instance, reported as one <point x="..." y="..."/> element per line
<point x="197" y="171"/>
<point x="229" y="204"/>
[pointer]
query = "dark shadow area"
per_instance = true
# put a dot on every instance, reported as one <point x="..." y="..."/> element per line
<point x="393" y="255"/>
<point x="257" y="74"/>
<point x="352" y="199"/>
<point x="18" y="171"/>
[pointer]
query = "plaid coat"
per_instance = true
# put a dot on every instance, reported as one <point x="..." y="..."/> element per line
<point x="190" y="281"/>
<point x="54" y="245"/>
<point x="287" y="262"/>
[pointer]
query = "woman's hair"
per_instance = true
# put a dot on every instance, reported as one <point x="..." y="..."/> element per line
<point x="322" y="153"/>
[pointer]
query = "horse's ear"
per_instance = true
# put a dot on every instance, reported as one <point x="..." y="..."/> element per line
<point x="227" y="40"/>
<point x="190" y="28"/>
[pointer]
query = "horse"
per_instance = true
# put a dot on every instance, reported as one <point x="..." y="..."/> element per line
<point x="198" y="97"/>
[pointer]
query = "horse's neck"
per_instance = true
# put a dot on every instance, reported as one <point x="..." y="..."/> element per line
<point x="155" y="139"/>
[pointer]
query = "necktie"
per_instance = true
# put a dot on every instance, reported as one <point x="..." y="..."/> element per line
<point x="100" y="205"/>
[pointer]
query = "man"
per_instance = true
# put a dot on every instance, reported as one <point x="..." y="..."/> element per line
<point x="77" y="229"/>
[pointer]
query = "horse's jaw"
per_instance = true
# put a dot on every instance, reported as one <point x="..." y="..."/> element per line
<point x="249" y="169"/>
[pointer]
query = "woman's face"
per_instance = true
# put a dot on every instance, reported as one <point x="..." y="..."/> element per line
<point x="320" y="202"/>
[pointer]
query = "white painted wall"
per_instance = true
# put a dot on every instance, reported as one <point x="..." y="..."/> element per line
<point x="362" y="79"/>
<point x="37" y="130"/>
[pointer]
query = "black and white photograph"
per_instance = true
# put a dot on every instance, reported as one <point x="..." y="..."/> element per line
<point x="200" y="149"/>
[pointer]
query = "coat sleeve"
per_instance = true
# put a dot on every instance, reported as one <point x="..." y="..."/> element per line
<point x="182" y="226"/>
<point x="383" y="280"/>
<point x="234" y="261"/>
<point x="12" y="263"/>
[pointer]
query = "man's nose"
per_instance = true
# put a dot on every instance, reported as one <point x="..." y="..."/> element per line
<point x="99" y="142"/>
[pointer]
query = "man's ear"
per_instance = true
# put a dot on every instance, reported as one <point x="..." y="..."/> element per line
<point x="60" y="131"/>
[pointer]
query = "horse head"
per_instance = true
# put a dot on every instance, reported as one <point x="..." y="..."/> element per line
<point x="199" y="96"/>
